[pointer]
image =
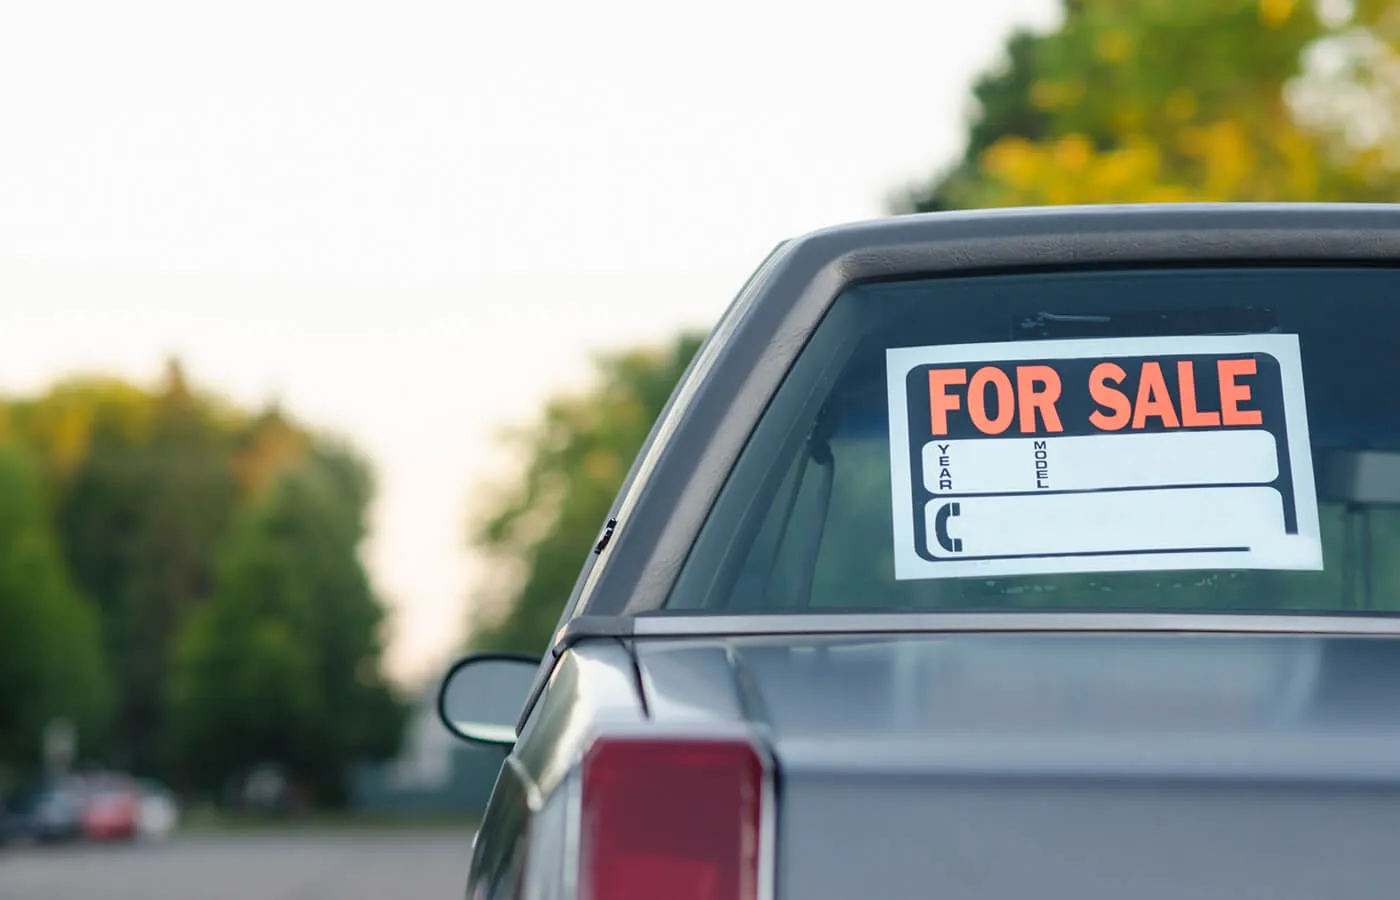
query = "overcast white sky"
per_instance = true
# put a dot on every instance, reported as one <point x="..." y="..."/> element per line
<point x="412" y="220"/>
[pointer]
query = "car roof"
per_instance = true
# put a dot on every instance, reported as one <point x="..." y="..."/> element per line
<point x="1183" y="221"/>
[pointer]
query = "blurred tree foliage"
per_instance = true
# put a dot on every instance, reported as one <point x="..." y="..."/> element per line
<point x="141" y="520"/>
<point x="1185" y="100"/>
<point x="541" y="527"/>
<point x="283" y="663"/>
<point x="142" y="496"/>
<point x="51" y="659"/>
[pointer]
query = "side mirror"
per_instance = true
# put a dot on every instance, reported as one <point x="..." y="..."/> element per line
<point x="482" y="695"/>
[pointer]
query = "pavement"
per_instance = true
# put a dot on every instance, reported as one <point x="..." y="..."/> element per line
<point x="401" y="865"/>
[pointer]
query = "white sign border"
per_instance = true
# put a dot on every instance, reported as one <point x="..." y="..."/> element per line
<point x="1304" y="549"/>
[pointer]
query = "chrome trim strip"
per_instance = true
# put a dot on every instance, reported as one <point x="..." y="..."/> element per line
<point x="750" y="702"/>
<point x="767" y="823"/>
<point x="573" y="836"/>
<point x="878" y="623"/>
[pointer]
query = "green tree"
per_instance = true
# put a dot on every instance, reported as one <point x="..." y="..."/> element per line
<point x="51" y="660"/>
<point x="146" y="483"/>
<point x="283" y="665"/>
<point x="147" y="495"/>
<point x="540" y="528"/>
<point x="263" y="448"/>
<point x="1002" y="100"/>
<point x="1150" y="100"/>
<point x="183" y="517"/>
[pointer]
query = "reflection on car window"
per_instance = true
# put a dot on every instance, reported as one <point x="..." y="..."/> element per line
<point x="805" y="520"/>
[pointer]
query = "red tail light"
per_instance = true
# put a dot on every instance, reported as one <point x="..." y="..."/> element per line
<point x="673" y="819"/>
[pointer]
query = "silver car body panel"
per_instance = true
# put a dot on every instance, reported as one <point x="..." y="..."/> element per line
<point x="999" y="765"/>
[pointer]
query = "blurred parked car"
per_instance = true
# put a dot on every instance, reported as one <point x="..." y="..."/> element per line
<point x="46" y="812"/>
<point x="158" y="812"/>
<point x="11" y="821"/>
<point x="111" y="813"/>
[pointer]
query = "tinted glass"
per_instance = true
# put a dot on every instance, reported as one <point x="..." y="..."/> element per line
<point x="806" y="521"/>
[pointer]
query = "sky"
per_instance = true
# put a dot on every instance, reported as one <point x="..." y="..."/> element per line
<point x="410" y="222"/>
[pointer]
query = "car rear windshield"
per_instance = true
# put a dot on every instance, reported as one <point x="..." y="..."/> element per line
<point x="1187" y="439"/>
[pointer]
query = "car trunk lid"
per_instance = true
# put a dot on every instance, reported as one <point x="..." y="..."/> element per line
<point x="995" y="765"/>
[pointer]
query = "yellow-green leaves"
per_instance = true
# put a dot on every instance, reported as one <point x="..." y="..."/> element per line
<point x="1157" y="101"/>
<point x="1274" y="13"/>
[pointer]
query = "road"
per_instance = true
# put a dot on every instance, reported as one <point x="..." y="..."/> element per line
<point x="430" y="865"/>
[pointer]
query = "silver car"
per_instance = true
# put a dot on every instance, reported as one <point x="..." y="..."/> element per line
<point x="1028" y="553"/>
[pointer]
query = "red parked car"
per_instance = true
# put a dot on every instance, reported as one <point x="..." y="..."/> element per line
<point x="112" y="813"/>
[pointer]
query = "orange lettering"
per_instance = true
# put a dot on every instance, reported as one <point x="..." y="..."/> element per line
<point x="1027" y="377"/>
<point x="1153" y="398"/>
<point x="940" y="402"/>
<point x="977" y="400"/>
<point x="1232" y="394"/>
<point x="1109" y="397"/>
<point x="1190" y="416"/>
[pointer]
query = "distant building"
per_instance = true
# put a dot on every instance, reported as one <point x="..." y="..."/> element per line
<point x="433" y="773"/>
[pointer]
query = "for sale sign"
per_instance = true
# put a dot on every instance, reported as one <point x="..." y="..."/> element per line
<point x="1101" y="455"/>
